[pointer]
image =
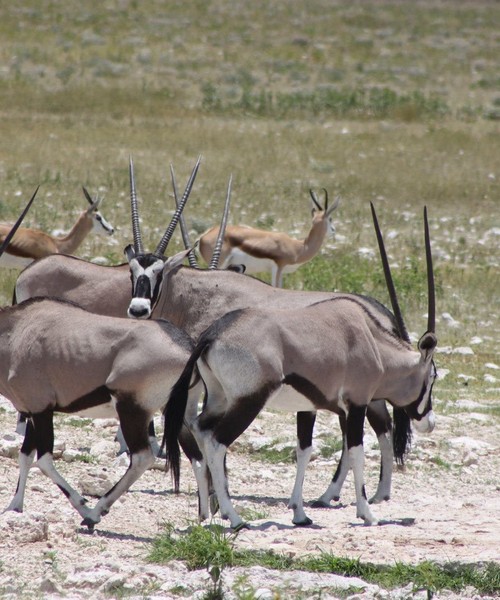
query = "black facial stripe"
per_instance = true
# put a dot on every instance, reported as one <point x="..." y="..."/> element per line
<point x="142" y="287"/>
<point x="412" y="409"/>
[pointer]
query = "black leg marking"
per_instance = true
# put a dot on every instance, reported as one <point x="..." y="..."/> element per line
<point x="305" y="428"/>
<point x="355" y="422"/>
<point x="43" y="424"/>
<point x="134" y="421"/>
<point x="379" y="418"/>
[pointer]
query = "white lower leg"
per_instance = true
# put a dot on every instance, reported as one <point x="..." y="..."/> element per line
<point x="200" y="470"/>
<point x="335" y="487"/>
<point x="357" y="459"/>
<point x="297" y="500"/>
<point x="46" y="465"/>
<point x="25" y="462"/>
<point x="139" y="462"/>
<point x="386" y="461"/>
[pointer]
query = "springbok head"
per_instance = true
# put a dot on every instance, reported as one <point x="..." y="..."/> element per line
<point x="147" y="268"/>
<point x="17" y="224"/>
<point x="99" y="223"/>
<point x="420" y="408"/>
<point x="324" y="213"/>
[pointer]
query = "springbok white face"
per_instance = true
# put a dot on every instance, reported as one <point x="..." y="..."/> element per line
<point x="99" y="223"/>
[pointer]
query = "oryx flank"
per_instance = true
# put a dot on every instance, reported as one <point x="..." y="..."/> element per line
<point x="271" y="251"/>
<point x="333" y="355"/>
<point x="31" y="244"/>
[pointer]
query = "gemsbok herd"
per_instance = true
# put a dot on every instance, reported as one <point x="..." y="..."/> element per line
<point x="209" y="349"/>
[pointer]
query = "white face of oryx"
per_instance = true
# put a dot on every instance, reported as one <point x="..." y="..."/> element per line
<point x="146" y="272"/>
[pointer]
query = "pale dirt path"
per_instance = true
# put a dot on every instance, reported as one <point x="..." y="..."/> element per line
<point x="456" y="508"/>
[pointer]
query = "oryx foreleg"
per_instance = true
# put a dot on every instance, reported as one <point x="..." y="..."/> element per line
<point x="354" y="434"/>
<point x="44" y="435"/>
<point x="305" y="426"/>
<point x="333" y="490"/>
<point x="379" y="418"/>
<point x="26" y="457"/>
<point x="134" y="422"/>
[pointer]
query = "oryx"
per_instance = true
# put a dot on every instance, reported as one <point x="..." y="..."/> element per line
<point x="333" y="355"/>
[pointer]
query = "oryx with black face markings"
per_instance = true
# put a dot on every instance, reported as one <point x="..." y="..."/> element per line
<point x="333" y="355"/>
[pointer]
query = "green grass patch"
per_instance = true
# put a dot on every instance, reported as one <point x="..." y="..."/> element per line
<point x="211" y="547"/>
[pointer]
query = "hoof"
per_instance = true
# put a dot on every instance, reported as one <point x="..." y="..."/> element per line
<point x="89" y="523"/>
<point x="376" y="500"/>
<point x="242" y="525"/>
<point x="214" y="504"/>
<point x="320" y="504"/>
<point x="304" y="523"/>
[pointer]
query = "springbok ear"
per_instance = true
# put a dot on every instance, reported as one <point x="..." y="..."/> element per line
<point x="174" y="261"/>
<point x="427" y="345"/>
<point x="129" y="252"/>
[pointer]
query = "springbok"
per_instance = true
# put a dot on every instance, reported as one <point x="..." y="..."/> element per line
<point x="271" y="251"/>
<point x="332" y="355"/>
<point x="31" y="244"/>
<point x="192" y="299"/>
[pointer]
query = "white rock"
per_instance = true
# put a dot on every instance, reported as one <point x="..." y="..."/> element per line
<point x="491" y="366"/>
<point x="103" y="449"/>
<point x="490" y="378"/>
<point x="95" y="482"/>
<point x="449" y="320"/>
<point x="24" y="527"/>
<point x="464" y="350"/>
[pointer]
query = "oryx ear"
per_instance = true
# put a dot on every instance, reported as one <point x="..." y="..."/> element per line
<point x="427" y="345"/>
<point x="129" y="252"/>
<point x="174" y="261"/>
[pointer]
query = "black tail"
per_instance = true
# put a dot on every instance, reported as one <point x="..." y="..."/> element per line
<point x="174" y="413"/>
<point x="401" y="434"/>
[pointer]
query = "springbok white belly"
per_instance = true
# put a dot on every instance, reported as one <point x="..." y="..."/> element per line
<point x="253" y="264"/>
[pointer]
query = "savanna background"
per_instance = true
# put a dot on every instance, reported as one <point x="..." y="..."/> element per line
<point x="392" y="102"/>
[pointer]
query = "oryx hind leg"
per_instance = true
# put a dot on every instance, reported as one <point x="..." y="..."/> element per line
<point x="134" y="422"/>
<point x="44" y="435"/>
<point x="26" y="457"/>
<point x="305" y="427"/>
<point x="333" y="490"/>
<point x="380" y="420"/>
<point x="354" y="433"/>
<point x="215" y="431"/>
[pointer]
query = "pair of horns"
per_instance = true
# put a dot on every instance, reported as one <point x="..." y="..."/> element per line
<point x="17" y="224"/>
<point x="325" y="208"/>
<point x="162" y="245"/>
<point x="93" y="203"/>
<point x="431" y="294"/>
<point x="214" y="261"/>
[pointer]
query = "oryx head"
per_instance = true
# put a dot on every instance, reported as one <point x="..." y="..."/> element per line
<point x="147" y="269"/>
<point x="418" y="403"/>
<point x="324" y="213"/>
<point x="99" y="223"/>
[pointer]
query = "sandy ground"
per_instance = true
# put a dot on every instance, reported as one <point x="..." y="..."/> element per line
<point x="445" y="506"/>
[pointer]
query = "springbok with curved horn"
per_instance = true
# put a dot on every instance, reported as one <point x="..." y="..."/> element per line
<point x="333" y="354"/>
<point x="260" y="250"/>
<point x="31" y="244"/>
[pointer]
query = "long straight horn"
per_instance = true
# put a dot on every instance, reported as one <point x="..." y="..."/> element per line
<point x="431" y="292"/>
<point x="17" y="224"/>
<point x="87" y="195"/>
<point x="388" y="279"/>
<point x="214" y="263"/>
<point x="135" y="213"/>
<point x="162" y="246"/>
<point x="182" y="223"/>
